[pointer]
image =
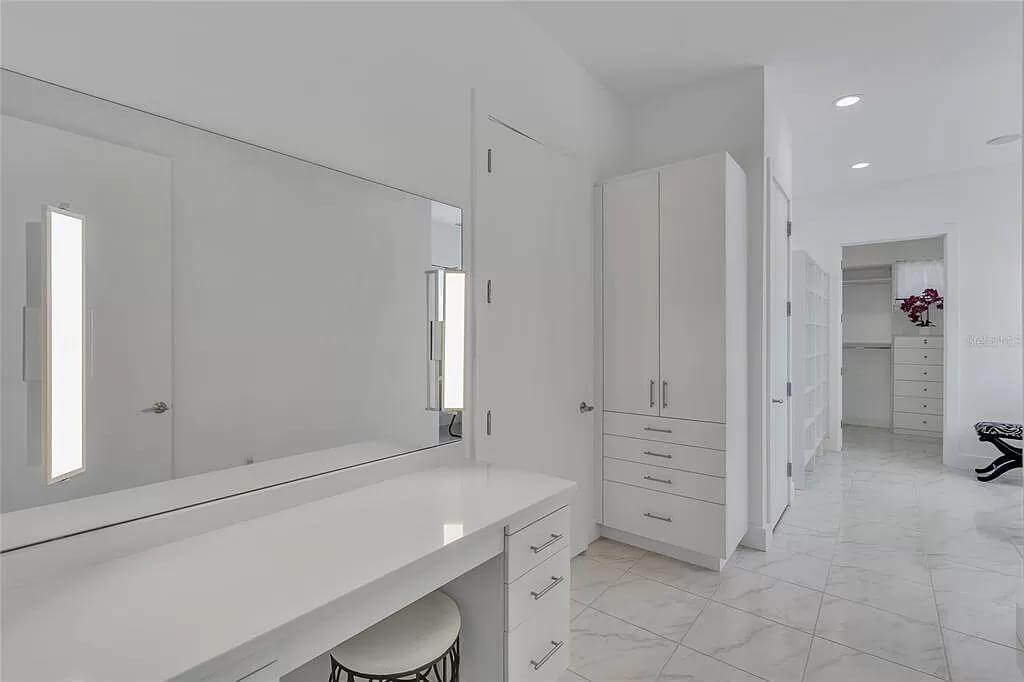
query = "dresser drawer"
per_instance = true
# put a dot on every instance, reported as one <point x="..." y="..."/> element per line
<point x="668" y="455"/>
<point x="542" y="584"/>
<point x="538" y="649"/>
<point x="697" y="486"/>
<point x="917" y="372"/>
<point x="918" y="389"/>
<point x="917" y="342"/>
<point x="680" y="521"/>
<point x="919" y="405"/>
<point x="681" y="431"/>
<point x="535" y="543"/>
<point x="918" y="422"/>
<point x="917" y="356"/>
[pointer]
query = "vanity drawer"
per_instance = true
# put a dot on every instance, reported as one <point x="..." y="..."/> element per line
<point x="538" y="650"/>
<point x="668" y="455"/>
<point x="681" y="431"/>
<point x="539" y="586"/>
<point x="535" y="543"/>
<point x="918" y="422"/>
<point x="917" y="342"/>
<point x="918" y="389"/>
<point x="919" y="405"/>
<point x="917" y="356"/>
<point x="685" y="483"/>
<point x="917" y="372"/>
<point x="680" y="521"/>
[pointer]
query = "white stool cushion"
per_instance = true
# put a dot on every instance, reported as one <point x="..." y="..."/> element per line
<point x="404" y="641"/>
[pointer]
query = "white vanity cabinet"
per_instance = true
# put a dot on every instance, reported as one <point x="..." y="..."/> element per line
<point x="917" y="385"/>
<point x="675" y="372"/>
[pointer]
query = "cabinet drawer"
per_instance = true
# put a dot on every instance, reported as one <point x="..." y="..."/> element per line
<point x="538" y="650"/>
<point x="681" y="431"/>
<point x="917" y="342"/>
<point x="685" y="483"/>
<point x="919" y="405"/>
<point x="917" y="356"/>
<point x="535" y="543"/>
<point x="918" y="389"/>
<point x="680" y="521"/>
<point x="540" y="585"/>
<point x="918" y="422"/>
<point x="668" y="455"/>
<point x="917" y="372"/>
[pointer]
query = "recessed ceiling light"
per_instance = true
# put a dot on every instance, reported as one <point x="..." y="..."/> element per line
<point x="860" y="164"/>
<point x="1004" y="139"/>
<point x="846" y="101"/>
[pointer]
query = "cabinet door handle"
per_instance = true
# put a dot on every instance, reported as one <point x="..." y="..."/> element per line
<point x="666" y="481"/>
<point x="555" y="646"/>
<point x="664" y="393"/>
<point x="652" y="392"/>
<point x="555" y="582"/>
<point x="667" y="519"/>
<point x="657" y="430"/>
<point x="555" y="537"/>
<point x="657" y="454"/>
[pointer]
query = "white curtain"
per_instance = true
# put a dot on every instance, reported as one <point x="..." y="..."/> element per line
<point x="910" y="278"/>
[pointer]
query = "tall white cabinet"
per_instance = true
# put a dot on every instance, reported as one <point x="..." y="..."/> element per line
<point x="674" y="461"/>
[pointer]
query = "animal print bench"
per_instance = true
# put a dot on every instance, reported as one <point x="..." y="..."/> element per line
<point x="996" y="433"/>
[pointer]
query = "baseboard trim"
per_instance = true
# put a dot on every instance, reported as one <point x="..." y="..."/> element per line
<point x="758" y="537"/>
<point x="687" y="555"/>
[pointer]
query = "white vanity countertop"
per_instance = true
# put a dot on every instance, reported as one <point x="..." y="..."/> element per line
<point x="164" y="611"/>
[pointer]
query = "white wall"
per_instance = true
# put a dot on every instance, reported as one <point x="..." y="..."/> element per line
<point x="739" y="114"/>
<point x="979" y="212"/>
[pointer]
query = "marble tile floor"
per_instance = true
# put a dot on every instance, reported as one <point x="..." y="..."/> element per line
<point x="888" y="568"/>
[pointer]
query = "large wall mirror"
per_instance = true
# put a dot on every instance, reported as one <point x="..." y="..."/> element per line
<point x="177" y="302"/>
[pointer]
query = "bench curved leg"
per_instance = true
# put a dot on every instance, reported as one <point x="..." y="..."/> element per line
<point x="1011" y="462"/>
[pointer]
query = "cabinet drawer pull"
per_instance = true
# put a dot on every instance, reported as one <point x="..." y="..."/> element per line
<point x="667" y="519"/>
<point x="555" y="537"/>
<point x="666" y="481"/>
<point x="657" y="454"/>
<point x="652" y="392"/>
<point x="555" y="646"/>
<point x="555" y="581"/>
<point x="664" y="393"/>
<point x="657" y="430"/>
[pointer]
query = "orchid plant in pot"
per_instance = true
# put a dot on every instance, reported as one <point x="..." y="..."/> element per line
<point x="917" y="306"/>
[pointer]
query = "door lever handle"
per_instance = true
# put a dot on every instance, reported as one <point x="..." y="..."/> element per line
<point x="158" y="407"/>
<point x="777" y="401"/>
<point x="584" y="408"/>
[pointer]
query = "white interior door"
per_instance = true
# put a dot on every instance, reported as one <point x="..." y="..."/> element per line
<point x="533" y="242"/>
<point x="780" y="484"/>
<point x="125" y="196"/>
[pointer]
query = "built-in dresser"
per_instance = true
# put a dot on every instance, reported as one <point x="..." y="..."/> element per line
<point x="917" y="385"/>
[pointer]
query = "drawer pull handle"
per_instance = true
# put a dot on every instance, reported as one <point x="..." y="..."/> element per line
<point x="555" y="646"/>
<point x="667" y="519"/>
<point x="657" y="430"/>
<point x="652" y="393"/>
<point x="555" y="582"/>
<point x="555" y="537"/>
<point x="666" y="481"/>
<point x="657" y="454"/>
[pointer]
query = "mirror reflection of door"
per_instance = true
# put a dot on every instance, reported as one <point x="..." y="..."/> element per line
<point x="125" y="197"/>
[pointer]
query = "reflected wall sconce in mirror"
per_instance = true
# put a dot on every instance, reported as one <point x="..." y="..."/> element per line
<point x="446" y="301"/>
<point x="63" y="343"/>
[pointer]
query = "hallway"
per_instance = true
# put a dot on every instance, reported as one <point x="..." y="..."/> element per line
<point x="888" y="567"/>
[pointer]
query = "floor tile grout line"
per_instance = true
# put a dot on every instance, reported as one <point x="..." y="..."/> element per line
<point x="814" y="632"/>
<point x="726" y="663"/>
<point x="1019" y="647"/>
<point x="881" y="658"/>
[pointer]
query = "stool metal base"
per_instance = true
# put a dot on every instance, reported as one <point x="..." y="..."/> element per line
<point x="444" y="669"/>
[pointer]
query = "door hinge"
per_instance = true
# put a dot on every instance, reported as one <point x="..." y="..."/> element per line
<point x="789" y="309"/>
<point x="789" y="469"/>
<point x="841" y="369"/>
<point x="488" y="422"/>
<point x="789" y="228"/>
<point x="490" y="165"/>
<point x="490" y="290"/>
<point x="789" y="389"/>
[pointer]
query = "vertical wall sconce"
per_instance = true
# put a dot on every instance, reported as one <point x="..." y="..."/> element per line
<point x="446" y="301"/>
<point x="63" y="343"/>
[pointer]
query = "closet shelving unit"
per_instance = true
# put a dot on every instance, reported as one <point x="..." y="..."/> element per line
<point x="867" y="345"/>
<point x="810" y="413"/>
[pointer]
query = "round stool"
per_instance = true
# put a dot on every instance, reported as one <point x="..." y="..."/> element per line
<point x="420" y="642"/>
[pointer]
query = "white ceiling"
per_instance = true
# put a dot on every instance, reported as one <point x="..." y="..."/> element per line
<point x="938" y="78"/>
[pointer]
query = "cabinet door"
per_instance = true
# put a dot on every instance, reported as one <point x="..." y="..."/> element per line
<point x="693" y="290"/>
<point x="631" y="294"/>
